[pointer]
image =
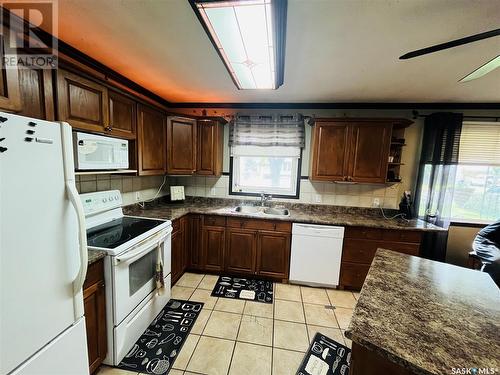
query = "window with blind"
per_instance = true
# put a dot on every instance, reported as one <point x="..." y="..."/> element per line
<point x="265" y="155"/>
<point x="476" y="195"/>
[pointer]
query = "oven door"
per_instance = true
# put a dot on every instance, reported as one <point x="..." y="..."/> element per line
<point x="134" y="272"/>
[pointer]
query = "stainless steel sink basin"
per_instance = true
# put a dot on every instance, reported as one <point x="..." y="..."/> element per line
<point x="276" y="211"/>
<point x="248" y="209"/>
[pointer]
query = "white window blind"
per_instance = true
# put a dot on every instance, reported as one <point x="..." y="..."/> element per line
<point x="480" y="143"/>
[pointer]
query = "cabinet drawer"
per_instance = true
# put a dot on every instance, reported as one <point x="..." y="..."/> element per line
<point x="402" y="236"/>
<point x="95" y="273"/>
<point x="353" y="275"/>
<point x="363" y="233"/>
<point x="214" y="221"/>
<point x="363" y="251"/>
<point x="278" y="226"/>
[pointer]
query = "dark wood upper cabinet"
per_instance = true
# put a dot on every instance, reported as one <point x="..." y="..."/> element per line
<point x="10" y="96"/>
<point x="81" y="102"/>
<point x="240" y="250"/>
<point x="369" y="152"/>
<point x="122" y="116"/>
<point x="210" y="148"/>
<point x="151" y="142"/>
<point x="213" y="241"/>
<point x="273" y="254"/>
<point x="352" y="150"/>
<point x="37" y="94"/>
<point x="181" y="145"/>
<point x="329" y="151"/>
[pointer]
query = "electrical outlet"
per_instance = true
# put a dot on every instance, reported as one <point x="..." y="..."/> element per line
<point x="376" y="202"/>
<point x="137" y="196"/>
<point x="317" y="198"/>
<point x="212" y="191"/>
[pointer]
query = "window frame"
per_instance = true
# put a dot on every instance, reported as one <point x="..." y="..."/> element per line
<point x="249" y="194"/>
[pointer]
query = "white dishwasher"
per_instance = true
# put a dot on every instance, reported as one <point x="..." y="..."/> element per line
<point x="316" y="254"/>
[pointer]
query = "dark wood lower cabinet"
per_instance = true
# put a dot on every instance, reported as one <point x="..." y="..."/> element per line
<point x="367" y="362"/>
<point x="240" y="250"/>
<point x="94" y="300"/>
<point x="213" y="243"/>
<point x="273" y="254"/>
<point x="179" y="248"/>
<point x="194" y="242"/>
<point x="361" y="244"/>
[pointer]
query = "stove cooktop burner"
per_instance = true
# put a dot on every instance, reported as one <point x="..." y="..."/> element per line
<point x="117" y="232"/>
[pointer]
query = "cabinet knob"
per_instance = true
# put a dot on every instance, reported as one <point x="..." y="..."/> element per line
<point x="108" y="128"/>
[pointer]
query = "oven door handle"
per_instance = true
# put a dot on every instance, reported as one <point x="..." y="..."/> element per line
<point x="143" y="248"/>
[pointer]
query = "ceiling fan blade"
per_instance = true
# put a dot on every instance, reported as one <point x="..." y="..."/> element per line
<point x="483" y="70"/>
<point x="450" y="44"/>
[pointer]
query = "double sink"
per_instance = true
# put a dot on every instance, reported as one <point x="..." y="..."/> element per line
<point x="262" y="211"/>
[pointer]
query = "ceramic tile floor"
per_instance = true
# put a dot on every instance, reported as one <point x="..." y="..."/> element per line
<point x="236" y="337"/>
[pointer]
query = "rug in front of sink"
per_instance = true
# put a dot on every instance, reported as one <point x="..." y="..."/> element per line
<point x="244" y="288"/>
<point x="326" y="357"/>
<point x="157" y="348"/>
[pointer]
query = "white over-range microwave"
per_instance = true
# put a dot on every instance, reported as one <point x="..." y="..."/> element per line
<point x="97" y="152"/>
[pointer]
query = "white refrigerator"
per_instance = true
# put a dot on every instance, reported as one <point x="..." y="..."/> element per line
<point x="43" y="251"/>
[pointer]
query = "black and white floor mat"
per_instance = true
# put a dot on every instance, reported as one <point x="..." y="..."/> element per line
<point x="325" y="357"/>
<point x="156" y="350"/>
<point x="244" y="288"/>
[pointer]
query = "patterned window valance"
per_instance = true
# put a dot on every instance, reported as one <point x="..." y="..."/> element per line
<point x="267" y="130"/>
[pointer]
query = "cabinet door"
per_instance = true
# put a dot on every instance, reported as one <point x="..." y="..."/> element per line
<point x="10" y="97"/>
<point x="369" y="152"/>
<point x="181" y="140"/>
<point x="240" y="251"/>
<point x="329" y="151"/>
<point x="122" y="116"/>
<point x="94" y="301"/>
<point x="150" y="141"/>
<point x="81" y="102"/>
<point x="273" y="254"/>
<point x="37" y="94"/>
<point x="213" y="248"/>
<point x="209" y="153"/>
<point x="194" y="242"/>
<point x="177" y="255"/>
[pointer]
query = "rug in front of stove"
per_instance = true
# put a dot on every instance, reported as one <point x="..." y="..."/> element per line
<point x="244" y="288"/>
<point x="157" y="348"/>
<point x="325" y="357"/>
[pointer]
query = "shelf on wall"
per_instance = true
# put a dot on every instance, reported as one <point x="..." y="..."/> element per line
<point x="121" y="171"/>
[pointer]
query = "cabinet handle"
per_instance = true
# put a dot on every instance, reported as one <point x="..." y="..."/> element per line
<point x="108" y="128"/>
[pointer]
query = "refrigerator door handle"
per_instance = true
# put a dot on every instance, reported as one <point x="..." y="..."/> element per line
<point x="82" y="236"/>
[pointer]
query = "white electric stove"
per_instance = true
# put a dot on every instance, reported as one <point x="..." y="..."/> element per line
<point x="133" y="246"/>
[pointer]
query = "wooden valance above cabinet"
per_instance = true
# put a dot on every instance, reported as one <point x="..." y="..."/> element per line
<point x="350" y="150"/>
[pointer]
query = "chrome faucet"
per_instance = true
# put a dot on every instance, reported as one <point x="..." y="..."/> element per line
<point x="265" y="198"/>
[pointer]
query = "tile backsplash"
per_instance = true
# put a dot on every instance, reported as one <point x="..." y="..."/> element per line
<point x="356" y="195"/>
<point x="146" y="186"/>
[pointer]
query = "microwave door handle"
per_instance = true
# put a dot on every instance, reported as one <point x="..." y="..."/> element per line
<point x="82" y="243"/>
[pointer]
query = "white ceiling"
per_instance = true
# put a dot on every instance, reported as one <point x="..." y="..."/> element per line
<point x="336" y="50"/>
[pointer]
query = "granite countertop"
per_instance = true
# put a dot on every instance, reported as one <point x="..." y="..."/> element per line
<point x="299" y="213"/>
<point x="428" y="316"/>
<point x="95" y="255"/>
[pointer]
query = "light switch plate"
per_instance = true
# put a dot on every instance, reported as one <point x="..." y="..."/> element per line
<point x="317" y="198"/>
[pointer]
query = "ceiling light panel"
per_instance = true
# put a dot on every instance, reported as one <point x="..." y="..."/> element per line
<point x="244" y="36"/>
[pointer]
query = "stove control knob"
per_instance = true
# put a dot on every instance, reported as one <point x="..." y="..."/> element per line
<point x="104" y="200"/>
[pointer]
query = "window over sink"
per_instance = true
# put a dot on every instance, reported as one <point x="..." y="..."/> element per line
<point x="266" y="155"/>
